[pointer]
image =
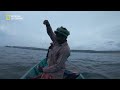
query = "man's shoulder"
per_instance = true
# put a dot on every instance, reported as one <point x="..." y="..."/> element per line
<point x="66" y="48"/>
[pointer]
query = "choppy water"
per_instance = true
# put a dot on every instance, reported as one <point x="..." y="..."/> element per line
<point x="15" y="62"/>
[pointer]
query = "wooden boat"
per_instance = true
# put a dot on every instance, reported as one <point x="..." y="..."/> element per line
<point x="33" y="72"/>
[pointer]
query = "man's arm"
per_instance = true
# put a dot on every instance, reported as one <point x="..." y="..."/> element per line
<point x="49" y="30"/>
<point x="60" y="62"/>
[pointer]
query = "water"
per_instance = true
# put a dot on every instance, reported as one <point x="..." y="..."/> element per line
<point x="14" y="62"/>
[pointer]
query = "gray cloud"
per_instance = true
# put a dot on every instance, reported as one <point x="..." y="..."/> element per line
<point x="89" y="30"/>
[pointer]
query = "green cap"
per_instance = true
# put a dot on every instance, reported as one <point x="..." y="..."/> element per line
<point x="62" y="31"/>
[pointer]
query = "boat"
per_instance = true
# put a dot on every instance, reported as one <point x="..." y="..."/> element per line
<point x="34" y="72"/>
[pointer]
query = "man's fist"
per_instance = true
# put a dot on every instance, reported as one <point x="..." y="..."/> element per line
<point x="46" y="22"/>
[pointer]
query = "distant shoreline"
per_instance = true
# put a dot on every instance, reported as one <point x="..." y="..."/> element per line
<point x="84" y="51"/>
<point x="30" y="48"/>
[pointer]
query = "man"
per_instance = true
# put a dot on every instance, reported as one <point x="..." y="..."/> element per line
<point x="58" y="52"/>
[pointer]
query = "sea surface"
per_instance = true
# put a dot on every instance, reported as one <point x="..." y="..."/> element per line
<point x="15" y="62"/>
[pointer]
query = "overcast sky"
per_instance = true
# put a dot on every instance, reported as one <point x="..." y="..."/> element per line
<point x="93" y="30"/>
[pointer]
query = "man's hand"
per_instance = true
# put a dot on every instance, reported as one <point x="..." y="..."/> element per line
<point x="46" y="22"/>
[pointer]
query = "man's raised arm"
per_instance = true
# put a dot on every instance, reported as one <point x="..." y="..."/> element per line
<point x="49" y="30"/>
